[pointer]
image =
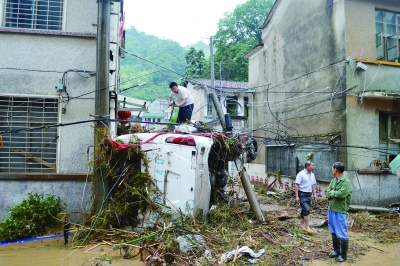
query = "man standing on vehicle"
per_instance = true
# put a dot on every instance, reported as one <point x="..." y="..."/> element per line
<point x="339" y="195"/>
<point x="186" y="102"/>
<point x="305" y="189"/>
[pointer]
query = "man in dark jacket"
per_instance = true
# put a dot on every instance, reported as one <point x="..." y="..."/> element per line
<point x="339" y="195"/>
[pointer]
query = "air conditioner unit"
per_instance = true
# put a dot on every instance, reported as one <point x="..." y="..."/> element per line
<point x="361" y="66"/>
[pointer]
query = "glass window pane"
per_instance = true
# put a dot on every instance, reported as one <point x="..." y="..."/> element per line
<point x="378" y="39"/>
<point x="390" y="18"/>
<point x="390" y="29"/>
<point x="391" y="42"/>
<point x="392" y="54"/>
<point x="378" y="27"/>
<point x="379" y="52"/>
<point x="395" y="129"/>
<point x="383" y="127"/>
<point x="379" y="15"/>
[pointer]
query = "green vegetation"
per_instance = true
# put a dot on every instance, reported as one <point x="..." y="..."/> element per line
<point x="196" y="64"/>
<point x="151" y="62"/>
<point x="32" y="217"/>
<point x="238" y="32"/>
<point x="159" y="61"/>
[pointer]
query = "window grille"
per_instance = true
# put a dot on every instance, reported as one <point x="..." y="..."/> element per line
<point x="33" y="14"/>
<point x="387" y="34"/>
<point x="281" y="158"/>
<point x="28" y="151"/>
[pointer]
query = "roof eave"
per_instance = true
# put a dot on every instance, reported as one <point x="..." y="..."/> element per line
<point x="255" y="49"/>
<point x="270" y="14"/>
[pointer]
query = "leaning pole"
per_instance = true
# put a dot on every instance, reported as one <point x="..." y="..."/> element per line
<point x="251" y="196"/>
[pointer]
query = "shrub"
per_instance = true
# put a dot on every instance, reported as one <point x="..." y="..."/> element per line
<point x="32" y="217"/>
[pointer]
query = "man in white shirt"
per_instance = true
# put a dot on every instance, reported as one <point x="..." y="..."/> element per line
<point x="305" y="189"/>
<point x="186" y="102"/>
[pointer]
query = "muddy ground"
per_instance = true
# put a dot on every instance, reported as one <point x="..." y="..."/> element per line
<point x="374" y="239"/>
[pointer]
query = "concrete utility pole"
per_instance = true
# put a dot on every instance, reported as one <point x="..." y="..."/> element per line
<point x="102" y="101"/>
<point x="251" y="196"/>
<point x="214" y="96"/>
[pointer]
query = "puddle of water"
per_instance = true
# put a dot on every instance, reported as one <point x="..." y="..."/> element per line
<point x="52" y="252"/>
<point x="378" y="254"/>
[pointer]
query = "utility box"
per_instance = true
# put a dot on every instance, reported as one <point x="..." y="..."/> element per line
<point x="178" y="164"/>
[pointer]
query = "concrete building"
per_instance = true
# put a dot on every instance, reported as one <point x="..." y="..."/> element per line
<point x="47" y="78"/>
<point x="326" y="81"/>
<point x="234" y="97"/>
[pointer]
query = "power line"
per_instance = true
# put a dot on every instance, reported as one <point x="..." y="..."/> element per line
<point x="72" y="98"/>
<point x="190" y="17"/>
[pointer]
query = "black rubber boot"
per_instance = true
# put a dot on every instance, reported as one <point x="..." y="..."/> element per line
<point x="344" y="246"/>
<point x="336" y="247"/>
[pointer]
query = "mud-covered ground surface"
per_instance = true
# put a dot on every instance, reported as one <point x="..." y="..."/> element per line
<point x="230" y="227"/>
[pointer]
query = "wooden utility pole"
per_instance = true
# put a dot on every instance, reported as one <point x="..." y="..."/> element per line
<point x="102" y="102"/>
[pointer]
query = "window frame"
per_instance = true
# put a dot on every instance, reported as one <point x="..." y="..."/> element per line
<point x="268" y="167"/>
<point x="232" y="105"/>
<point x="210" y="105"/>
<point x="383" y="38"/>
<point x="53" y="139"/>
<point x="61" y="20"/>
<point x="386" y="141"/>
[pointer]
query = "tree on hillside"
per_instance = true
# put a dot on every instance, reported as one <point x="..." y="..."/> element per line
<point x="196" y="64"/>
<point x="149" y="60"/>
<point x="200" y="45"/>
<point x="237" y="33"/>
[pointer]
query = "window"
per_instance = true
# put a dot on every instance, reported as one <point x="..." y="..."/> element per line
<point x="246" y="107"/>
<point x="231" y="105"/>
<point x="281" y="158"/>
<point x="28" y="151"/>
<point x="210" y="105"/>
<point x="33" y="14"/>
<point x="389" y="136"/>
<point x="387" y="29"/>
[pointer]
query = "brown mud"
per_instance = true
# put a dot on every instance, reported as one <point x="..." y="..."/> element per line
<point x="52" y="252"/>
<point x="376" y="253"/>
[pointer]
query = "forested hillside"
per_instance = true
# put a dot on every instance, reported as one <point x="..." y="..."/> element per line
<point x="159" y="61"/>
<point x="150" y="59"/>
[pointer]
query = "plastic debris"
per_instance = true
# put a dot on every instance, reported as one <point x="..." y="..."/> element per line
<point x="243" y="250"/>
<point x="187" y="242"/>
<point x="207" y="254"/>
<point x="252" y="261"/>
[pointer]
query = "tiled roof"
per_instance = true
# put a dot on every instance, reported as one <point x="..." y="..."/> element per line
<point x="225" y="84"/>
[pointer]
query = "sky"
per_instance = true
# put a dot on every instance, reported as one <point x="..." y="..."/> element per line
<point x="184" y="21"/>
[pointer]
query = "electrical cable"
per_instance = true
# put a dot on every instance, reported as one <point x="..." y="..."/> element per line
<point x="75" y="97"/>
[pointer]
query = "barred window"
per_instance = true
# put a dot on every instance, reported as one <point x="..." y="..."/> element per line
<point x="33" y="14"/>
<point x="28" y="150"/>
<point x="280" y="158"/>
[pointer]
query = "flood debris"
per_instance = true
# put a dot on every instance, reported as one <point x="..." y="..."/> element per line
<point x="230" y="233"/>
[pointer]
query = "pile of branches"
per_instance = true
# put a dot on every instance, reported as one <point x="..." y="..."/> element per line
<point x="123" y="223"/>
<point x="383" y="227"/>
